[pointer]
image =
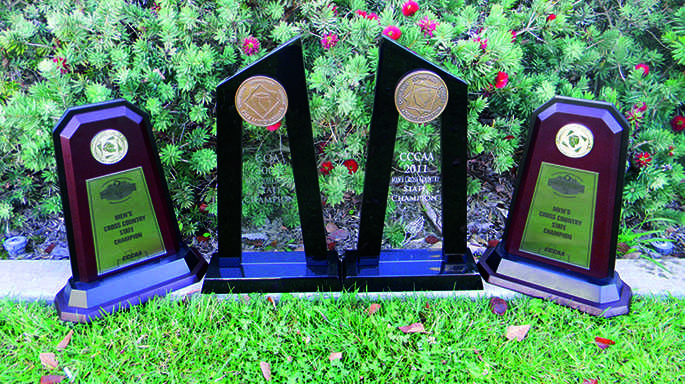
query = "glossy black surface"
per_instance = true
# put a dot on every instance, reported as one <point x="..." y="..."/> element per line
<point x="231" y="269"/>
<point x="452" y="267"/>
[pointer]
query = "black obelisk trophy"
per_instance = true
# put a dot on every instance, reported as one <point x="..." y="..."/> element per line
<point x="560" y="238"/>
<point x="262" y="94"/>
<point x="426" y="178"/>
<point x="124" y="241"/>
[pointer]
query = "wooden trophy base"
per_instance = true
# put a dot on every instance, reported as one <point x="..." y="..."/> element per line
<point x="411" y="270"/>
<point x="82" y="302"/>
<point x="605" y="298"/>
<point x="271" y="272"/>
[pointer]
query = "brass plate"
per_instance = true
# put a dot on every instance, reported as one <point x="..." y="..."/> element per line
<point x="261" y="101"/>
<point x="574" y="140"/>
<point x="421" y="96"/>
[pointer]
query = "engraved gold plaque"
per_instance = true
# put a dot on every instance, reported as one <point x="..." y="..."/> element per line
<point x="421" y="96"/>
<point x="109" y="146"/>
<point x="574" y="140"/>
<point x="261" y="101"/>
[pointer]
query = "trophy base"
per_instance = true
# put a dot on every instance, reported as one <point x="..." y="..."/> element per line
<point x="82" y="302"/>
<point x="605" y="298"/>
<point x="411" y="270"/>
<point x="271" y="272"/>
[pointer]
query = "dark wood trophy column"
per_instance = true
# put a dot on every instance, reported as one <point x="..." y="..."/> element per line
<point x="124" y="241"/>
<point x="560" y="237"/>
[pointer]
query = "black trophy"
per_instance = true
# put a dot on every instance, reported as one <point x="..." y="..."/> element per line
<point x="271" y="232"/>
<point x="412" y="233"/>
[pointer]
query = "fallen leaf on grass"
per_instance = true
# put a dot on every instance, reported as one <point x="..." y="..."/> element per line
<point x="272" y="301"/>
<point x="266" y="370"/>
<point x="498" y="306"/>
<point x="51" y="379"/>
<point x="478" y="355"/>
<point x="413" y="328"/>
<point x="590" y="381"/>
<point x="373" y="308"/>
<point x="65" y="341"/>
<point x="335" y="356"/>
<point x="517" y="332"/>
<point x="48" y="360"/>
<point x="603" y="343"/>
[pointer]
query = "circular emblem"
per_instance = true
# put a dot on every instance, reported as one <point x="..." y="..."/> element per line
<point x="109" y="146"/>
<point x="421" y="96"/>
<point x="261" y="101"/>
<point x="574" y="140"/>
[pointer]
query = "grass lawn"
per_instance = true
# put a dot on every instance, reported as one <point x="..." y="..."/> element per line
<point x="206" y="340"/>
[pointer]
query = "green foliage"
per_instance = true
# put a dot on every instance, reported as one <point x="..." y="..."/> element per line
<point x="169" y="56"/>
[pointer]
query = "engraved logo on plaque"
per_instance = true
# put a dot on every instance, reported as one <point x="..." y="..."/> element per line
<point x="566" y="185"/>
<point x="574" y="140"/>
<point x="109" y="146"/>
<point x="421" y="96"/>
<point x="261" y="101"/>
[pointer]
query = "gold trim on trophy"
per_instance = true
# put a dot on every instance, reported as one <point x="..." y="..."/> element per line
<point x="261" y="101"/>
<point x="421" y="96"/>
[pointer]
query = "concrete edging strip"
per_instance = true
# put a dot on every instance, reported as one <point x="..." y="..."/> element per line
<point x="40" y="280"/>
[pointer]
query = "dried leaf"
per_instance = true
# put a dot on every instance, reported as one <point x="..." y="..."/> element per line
<point x="49" y="248"/>
<point x="517" y="332"/>
<point x="51" y="379"/>
<point x="266" y="370"/>
<point x="331" y="227"/>
<point x="603" y="343"/>
<point x="478" y="355"/>
<point x="373" y="308"/>
<point x="48" y="360"/>
<point x="335" y="356"/>
<point x="590" y="381"/>
<point x="413" y="328"/>
<point x="338" y="235"/>
<point x="498" y="306"/>
<point x="65" y="341"/>
<point x="272" y="301"/>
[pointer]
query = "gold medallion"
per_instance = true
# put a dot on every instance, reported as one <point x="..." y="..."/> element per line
<point x="574" y="140"/>
<point x="421" y="96"/>
<point x="109" y="146"/>
<point x="261" y="101"/>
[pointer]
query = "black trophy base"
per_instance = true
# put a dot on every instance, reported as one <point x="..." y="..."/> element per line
<point x="271" y="272"/>
<point x="82" y="302"/>
<point x="605" y="298"/>
<point x="411" y="270"/>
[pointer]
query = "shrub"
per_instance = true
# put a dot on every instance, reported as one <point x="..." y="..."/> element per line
<point x="168" y="57"/>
